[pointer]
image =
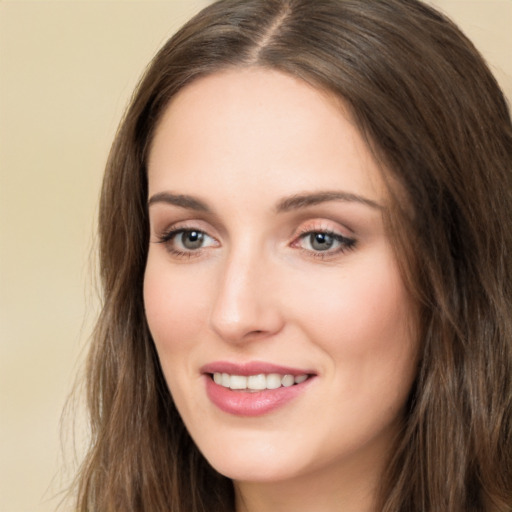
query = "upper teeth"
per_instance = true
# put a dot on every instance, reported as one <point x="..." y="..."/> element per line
<point x="257" y="382"/>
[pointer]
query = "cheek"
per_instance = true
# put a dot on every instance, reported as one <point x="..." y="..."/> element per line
<point x="365" y="326"/>
<point x="364" y="321"/>
<point x="367" y="297"/>
<point x="175" y="303"/>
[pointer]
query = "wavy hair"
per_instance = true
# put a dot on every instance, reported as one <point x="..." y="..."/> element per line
<point x="435" y="119"/>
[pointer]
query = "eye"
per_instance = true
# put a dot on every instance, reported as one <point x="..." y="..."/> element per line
<point x="320" y="241"/>
<point x="190" y="240"/>
<point x="324" y="242"/>
<point x="186" y="241"/>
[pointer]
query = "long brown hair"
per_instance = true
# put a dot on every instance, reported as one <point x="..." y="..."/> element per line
<point x="438" y="123"/>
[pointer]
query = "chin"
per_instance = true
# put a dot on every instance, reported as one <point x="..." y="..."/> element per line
<point x="250" y="471"/>
<point x="253" y="462"/>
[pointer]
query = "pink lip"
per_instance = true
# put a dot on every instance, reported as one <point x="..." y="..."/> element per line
<point x="244" y="403"/>
<point x="251" y="368"/>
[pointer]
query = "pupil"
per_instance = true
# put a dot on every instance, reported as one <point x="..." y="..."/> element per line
<point x="321" y="241"/>
<point x="192" y="239"/>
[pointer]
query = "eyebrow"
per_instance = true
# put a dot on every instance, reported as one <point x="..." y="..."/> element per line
<point x="299" y="201"/>
<point x="181" y="200"/>
<point x="287" y="204"/>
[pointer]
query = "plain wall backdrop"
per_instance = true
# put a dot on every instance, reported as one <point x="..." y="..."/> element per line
<point x="67" y="69"/>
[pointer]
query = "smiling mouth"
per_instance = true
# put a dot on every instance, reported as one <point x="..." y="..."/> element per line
<point x="259" y="382"/>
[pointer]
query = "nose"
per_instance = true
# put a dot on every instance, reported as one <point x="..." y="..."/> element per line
<point x="246" y="305"/>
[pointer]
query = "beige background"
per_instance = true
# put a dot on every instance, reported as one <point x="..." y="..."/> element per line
<point x="66" y="71"/>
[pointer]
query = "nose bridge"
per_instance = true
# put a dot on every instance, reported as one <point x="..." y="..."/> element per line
<point x="243" y="306"/>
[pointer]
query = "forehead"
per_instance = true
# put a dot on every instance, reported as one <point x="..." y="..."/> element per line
<point x="253" y="125"/>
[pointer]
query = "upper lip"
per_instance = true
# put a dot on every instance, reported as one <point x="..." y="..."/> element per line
<point x="252" y="368"/>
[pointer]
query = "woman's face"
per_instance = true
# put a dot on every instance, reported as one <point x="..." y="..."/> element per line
<point x="282" y="324"/>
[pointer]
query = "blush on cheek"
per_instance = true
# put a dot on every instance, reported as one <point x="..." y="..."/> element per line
<point x="175" y="308"/>
<point x="365" y="305"/>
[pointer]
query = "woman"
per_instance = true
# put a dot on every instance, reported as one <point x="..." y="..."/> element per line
<point x="305" y="254"/>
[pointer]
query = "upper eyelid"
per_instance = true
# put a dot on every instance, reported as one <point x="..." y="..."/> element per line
<point x="208" y="225"/>
<point x="325" y="225"/>
<point x="183" y="225"/>
<point x="311" y="225"/>
<point x="160" y="209"/>
<point x="331" y="232"/>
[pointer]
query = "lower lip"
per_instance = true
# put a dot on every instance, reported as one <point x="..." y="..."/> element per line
<point x="256" y="403"/>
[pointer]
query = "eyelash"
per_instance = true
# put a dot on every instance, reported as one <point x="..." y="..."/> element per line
<point x="167" y="238"/>
<point x="345" y="243"/>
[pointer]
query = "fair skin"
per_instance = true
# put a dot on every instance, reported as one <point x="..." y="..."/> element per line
<point x="268" y="254"/>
